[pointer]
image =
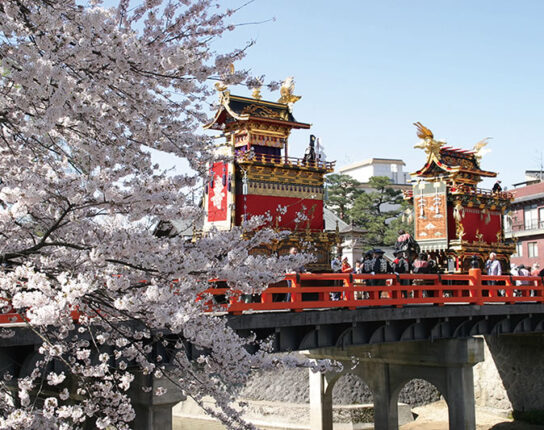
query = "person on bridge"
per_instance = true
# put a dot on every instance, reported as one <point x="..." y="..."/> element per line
<point x="336" y="264"/>
<point x="336" y="267"/>
<point x="406" y="243"/>
<point x="358" y="267"/>
<point x="346" y="267"/>
<point x="380" y="266"/>
<point x="420" y="264"/>
<point x="293" y="251"/>
<point x="366" y="264"/>
<point x="401" y="265"/>
<point x="493" y="268"/>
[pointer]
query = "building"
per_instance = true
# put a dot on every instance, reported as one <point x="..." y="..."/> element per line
<point x="389" y="167"/>
<point x="531" y="177"/>
<point x="525" y="224"/>
<point x="392" y="168"/>
<point x="351" y="238"/>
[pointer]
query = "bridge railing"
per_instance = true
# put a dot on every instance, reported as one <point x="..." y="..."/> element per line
<point x="306" y="291"/>
<point x="300" y="292"/>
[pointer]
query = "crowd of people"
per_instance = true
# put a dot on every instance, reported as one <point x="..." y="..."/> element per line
<point x="374" y="262"/>
<point x="493" y="267"/>
<point x="409" y="260"/>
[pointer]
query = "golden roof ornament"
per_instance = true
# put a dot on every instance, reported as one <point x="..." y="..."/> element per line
<point x="220" y="86"/>
<point x="479" y="150"/>
<point x="428" y="143"/>
<point x="286" y="91"/>
<point x="256" y="94"/>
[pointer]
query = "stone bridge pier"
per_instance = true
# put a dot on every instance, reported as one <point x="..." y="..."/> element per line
<point x="386" y="368"/>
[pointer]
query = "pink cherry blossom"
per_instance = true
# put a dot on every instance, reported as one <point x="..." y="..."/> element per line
<point x="87" y="93"/>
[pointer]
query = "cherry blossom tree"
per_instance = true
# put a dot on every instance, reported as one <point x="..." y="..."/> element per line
<point x="87" y="92"/>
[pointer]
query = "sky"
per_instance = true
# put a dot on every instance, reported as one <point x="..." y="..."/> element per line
<point x="367" y="70"/>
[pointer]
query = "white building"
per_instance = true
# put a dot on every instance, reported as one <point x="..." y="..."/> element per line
<point x="364" y="170"/>
<point x="390" y="167"/>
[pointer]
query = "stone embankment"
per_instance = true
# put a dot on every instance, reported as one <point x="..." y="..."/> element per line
<point x="292" y="386"/>
<point x="281" y="400"/>
<point x="512" y="369"/>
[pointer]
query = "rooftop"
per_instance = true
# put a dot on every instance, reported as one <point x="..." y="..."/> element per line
<point x="372" y="161"/>
<point x="529" y="192"/>
<point x="240" y="108"/>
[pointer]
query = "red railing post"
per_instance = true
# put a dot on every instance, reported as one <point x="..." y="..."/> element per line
<point x="475" y="282"/>
<point x="296" y="298"/>
<point x="235" y="307"/>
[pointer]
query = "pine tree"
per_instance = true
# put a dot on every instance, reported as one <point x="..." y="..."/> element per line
<point x="342" y="190"/>
<point x="377" y="211"/>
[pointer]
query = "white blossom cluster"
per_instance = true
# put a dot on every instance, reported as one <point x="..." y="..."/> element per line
<point x="86" y="92"/>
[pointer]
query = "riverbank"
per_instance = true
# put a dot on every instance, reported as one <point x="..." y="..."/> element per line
<point x="435" y="417"/>
<point x="429" y="417"/>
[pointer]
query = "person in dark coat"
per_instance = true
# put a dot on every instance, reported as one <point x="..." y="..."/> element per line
<point x="366" y="263"/>
<point x="406" y="243"/>
<point x="400" y="264"/>
<point x="380" y="266"/>
<point x="497" y="187"/>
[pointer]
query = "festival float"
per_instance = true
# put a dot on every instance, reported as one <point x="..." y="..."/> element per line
<point x="257" y="177"/>
<point x="455" y="221"/>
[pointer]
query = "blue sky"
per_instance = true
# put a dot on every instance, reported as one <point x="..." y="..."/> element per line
<point x="366" y="70"/>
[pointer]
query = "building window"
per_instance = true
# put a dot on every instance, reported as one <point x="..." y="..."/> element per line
<point x="540" y="217"/>
<point x="519" y="250"/>
<point x="530" y="216"/>
<point x="532" y="249"/>
<point x="507" y="222"/>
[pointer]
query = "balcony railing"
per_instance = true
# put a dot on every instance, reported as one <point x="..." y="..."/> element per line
<point x="480" y="192"/>
<point x="284" y="161"/>
<point x="527" y="226"/>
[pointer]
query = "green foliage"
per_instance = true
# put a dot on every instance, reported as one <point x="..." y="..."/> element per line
<point x="378" y="212"/>
<point x="399" y="223"/>
<point x="342" y="192"/>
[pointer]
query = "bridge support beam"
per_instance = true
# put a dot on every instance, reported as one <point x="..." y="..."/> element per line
<point x="386" y="368"/>
<point x="153" y="412"/>
<point x="320" y="401"/>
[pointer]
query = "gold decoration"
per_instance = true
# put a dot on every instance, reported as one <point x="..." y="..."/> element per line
<point x="459" y="230"/>
<point x="479" y="150"/>
<point x="408" y="216"/>
<point x="256" y="94"/>
<point x="423" y="132"/>
<point x="458" y="211"/>
<point x="286" y="92"/>
<point x="485" y="213"/>
<point x="428" y="143"/>
<point x="261" y="111"/>
<point x="220" y="86"/>
<point x="479" y="236"/>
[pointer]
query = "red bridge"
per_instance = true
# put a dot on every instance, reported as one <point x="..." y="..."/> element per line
<point x="351" y="291"/>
